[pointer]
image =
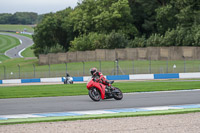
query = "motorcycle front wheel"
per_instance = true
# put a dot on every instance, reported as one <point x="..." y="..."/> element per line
<point x="117" y="94"/>
<point x="94" y="94"/>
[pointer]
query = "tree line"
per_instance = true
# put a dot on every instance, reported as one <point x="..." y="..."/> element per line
<point x="98" y="24"/>
<point x="20" y="18"/>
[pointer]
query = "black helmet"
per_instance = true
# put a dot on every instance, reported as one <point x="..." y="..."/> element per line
<point x="93" y="70"/>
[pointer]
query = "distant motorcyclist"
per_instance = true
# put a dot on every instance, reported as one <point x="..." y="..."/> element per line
<point x="68" y="79"/>
<point x="98" y="77"/>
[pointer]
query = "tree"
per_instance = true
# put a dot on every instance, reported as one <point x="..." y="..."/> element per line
<point x="44" y="35"/>
<point x="165" y="18"/>
<point x="19" y="18"/>
<point x="144" y="15"/>
<point x="118" y="24"/>
<point x="54" y="32"/>
<point x="82" y="17"/>
<point x="115" y="15"/>
<point x="103" y="16"/>
<point x="64" y="28"/>
<point x="24" y="18"/>
<point x="188" y="12"/>
<point x="182" y="13"/>
<point x="5" y="18"/>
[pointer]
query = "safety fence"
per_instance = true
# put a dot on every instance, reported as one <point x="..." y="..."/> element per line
<point x="117" y="67"/>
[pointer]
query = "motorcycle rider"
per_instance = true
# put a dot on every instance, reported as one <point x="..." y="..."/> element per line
<point x="98" y="77"/>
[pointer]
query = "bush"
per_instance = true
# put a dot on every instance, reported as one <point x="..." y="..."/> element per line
<point x="91" y="41"/>
<point x="94" y="41"/>
<point x="154" y="40"/>
<point x="181" y="36"/>
<point x="196" y="35"/>
<point x="116" y="40"/>
<point x="137" y="42"/>
<point x="170" y="38"/>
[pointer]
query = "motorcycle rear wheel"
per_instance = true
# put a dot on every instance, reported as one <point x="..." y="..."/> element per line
<point x="94" y="94"/>
<point x="118" y="95"/>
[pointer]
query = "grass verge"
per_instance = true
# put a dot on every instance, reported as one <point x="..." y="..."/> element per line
<point x="28" y="52"/>
<point x="100" y="116"/>
<point x="16" y="28"/>
<point x="6" y="43"/>
<point x="3" y="57"/>
<point x="80" y="89"/>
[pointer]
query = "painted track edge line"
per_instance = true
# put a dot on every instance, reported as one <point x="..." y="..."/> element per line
<point x="102" y="116"/>
<point x="99" y="112"/>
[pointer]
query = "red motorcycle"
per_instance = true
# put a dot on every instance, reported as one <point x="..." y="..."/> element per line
<point x="97" y="91"/>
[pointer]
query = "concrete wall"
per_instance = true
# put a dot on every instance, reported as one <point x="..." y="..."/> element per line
<point x="100" y="54"/>
<point x="153" y="53"/>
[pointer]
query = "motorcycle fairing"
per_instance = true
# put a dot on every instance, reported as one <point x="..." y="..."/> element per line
<point x="101" y="87"/>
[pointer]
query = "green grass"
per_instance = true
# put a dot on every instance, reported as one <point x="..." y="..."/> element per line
<point x="80" y="89"/>
<point x="29" y="36"/>
<point x="28" y="52"/>
<point x="3" y="57"/>
<point x="6" y="43"/>
<point x="17" y="28"/>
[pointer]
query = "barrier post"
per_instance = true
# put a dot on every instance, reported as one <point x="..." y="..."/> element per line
<point x="34" y="70"/>
<point x="19" y="70"/>
<point x="167" y="66"/>
<point x="199" y="68"/>
<point x="100" y="65"/>
<point x="83" y="68"/>
<point x="49" y="70"/>
<point x="150" y="65"/>
<point x="114" y="67"/>
<point x="117" y="66"/>
<point x="4" y="67"/>
<point x="133" y="66"/>
<point x="66" y="66"/>
<point x="184" y="65"/>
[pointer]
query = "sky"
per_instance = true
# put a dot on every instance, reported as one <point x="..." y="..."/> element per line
<point x="38" y="6"/>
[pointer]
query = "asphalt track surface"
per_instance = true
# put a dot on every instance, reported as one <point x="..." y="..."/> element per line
<point x="16" y="51"/>
<point x="83" y="103"/>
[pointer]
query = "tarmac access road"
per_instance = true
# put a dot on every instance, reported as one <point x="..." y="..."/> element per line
<point x="16" y="51"/>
